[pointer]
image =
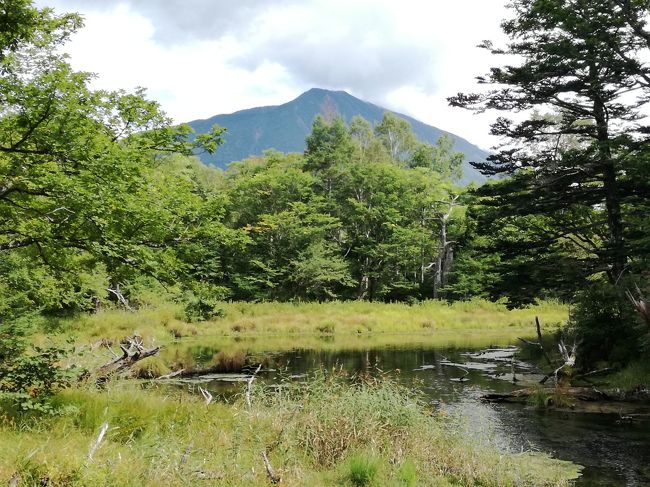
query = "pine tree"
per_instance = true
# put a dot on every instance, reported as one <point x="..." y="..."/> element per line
<point x="582" y="164"/>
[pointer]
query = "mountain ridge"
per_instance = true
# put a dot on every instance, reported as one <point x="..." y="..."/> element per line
<point x="284" y="128"/>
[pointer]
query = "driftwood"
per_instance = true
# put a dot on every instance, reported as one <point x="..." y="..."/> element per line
<point x="593" y="373"/>
<point x="587" y="394"/>
<point x="206" y="395"/>
<point x="171" y="375"/>
<point x="132" y="352"/>
<point x="200" y="371"/>
<point x="522" y="395"/>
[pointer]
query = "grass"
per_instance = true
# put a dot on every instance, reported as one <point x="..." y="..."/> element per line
<point x="363" y="468"/>
<point x="328" y="431"/>
<point x="634" y="375"/>
<point x="164" y="321"/>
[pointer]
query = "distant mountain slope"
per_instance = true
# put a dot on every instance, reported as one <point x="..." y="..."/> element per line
<point x="284" y="128"/>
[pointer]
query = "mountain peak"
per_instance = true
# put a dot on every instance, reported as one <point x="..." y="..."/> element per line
<point x="322" y="92"/>
<point x="285" y="127"/>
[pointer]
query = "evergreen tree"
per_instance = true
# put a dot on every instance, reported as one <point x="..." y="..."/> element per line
<point x="582" y="60"/>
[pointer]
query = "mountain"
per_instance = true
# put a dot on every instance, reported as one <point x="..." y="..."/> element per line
<point x="284" y="128"/>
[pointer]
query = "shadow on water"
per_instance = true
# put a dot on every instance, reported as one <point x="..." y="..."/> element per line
<point x="455" y="377"/>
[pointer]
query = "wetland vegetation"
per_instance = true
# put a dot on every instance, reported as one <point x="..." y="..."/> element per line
<point x="357" y="301"/>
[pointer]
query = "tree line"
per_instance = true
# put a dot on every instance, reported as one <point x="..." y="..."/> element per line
<point x="102" y="199"/>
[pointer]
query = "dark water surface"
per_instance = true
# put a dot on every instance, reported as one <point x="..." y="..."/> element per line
<point x="614" y="453"/>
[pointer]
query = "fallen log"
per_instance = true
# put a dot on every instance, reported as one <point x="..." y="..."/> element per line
<point x="522" y="395"/>
<point x="213" y="369"/>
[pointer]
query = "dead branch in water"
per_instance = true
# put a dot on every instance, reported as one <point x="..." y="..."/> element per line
<point x="522" y="395"/>
<point x="569" y="357"/>
<point x="171" y="375"/>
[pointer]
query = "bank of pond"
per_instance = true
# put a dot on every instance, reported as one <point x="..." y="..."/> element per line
<point x="329" y="407"/>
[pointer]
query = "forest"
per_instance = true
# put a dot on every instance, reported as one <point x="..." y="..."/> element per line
<point x="105" y="206"/>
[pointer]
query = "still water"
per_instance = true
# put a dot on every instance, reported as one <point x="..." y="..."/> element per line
<point x="613" y="452"/>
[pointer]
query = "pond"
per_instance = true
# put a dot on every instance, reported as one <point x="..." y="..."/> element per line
<point x="455" y="374"/>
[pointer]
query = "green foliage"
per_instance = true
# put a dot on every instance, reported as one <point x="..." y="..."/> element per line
<point x="607" y="325"/>
<point x="88" y="199"/>
<point x="573" y="165"/>
<point x="363" y="469"/>
<point x="29" y="376"/>
<point x="635" y="375"/>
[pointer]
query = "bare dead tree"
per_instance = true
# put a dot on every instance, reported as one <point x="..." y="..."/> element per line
<point x="249" y="387"/>
<point x="445" y="257"/>
<point x="539" y="343"/>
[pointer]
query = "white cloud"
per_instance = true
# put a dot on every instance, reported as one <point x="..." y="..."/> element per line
<point x="203" y="57"/>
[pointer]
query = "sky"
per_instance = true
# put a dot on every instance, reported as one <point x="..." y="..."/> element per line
<point x="200" y="58"/>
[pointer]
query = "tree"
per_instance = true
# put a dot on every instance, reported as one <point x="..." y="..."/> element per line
<point x="582" y="60"/>
<point x="83" y="199"/>
<point x="440" y="158"/>
<point x="397" y="136"/>
<point x="287" y="255"/>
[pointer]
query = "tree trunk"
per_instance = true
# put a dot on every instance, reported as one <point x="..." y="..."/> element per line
<point x="610" y="183"/>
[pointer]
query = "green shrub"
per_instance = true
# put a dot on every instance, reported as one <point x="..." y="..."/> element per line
<point x="29" y="376"/>
<point x="202" y="309"/>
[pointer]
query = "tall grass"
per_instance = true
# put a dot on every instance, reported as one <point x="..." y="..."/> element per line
<point x="328" y="431"/>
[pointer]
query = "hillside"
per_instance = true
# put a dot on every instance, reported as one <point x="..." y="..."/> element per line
<point x="284" y="128"/>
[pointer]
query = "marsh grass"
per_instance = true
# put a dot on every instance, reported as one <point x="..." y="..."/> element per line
<point x="329" y="430"/>
<point x="225" y="361"/>
<point x="150" y="368"/>
<point x="540" y="399"/>
<point x="362" y="468"/>
<point x="164" y="321"/>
